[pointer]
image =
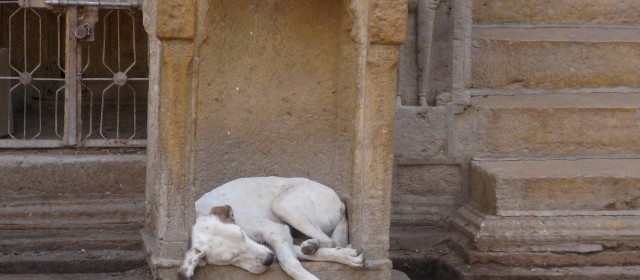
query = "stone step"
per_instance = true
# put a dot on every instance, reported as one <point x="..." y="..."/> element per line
<point x="504" y="272"/>
<point x="76" y="211"/>
<point x="71" y="174"/>
<point x="142" y="273"/>
<point x="555" y="44"/>
<point x="71" y="262"/>
<point x="547" y="12"/>
<point x="557" y="187"/>
<point x="71" y="222"/>
<point x="554" y="57"/>
<point x="20" y="241"/>
<point x="549" y="125"/>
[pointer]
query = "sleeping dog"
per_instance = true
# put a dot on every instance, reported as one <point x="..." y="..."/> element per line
<point x="233" y="219"/>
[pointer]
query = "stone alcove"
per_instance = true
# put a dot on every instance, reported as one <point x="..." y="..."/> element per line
<point x="258" y="88"/>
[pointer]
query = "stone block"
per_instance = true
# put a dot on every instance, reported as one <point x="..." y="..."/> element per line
<point x="55" y="174"/>
<point x="549" y="124"/>
<point x="508" y="62"/>
<point x="421" y="132"/>
<point x="388" y="21"/>
<point x="175" y="19"/>
<point x="559" y="11"/>
<point x="414" y="238"/>
<point x="429" y="180"/>
<point x="413" y="210"/>
<point x="557" y="187"/>
<point x="425" y="195"/>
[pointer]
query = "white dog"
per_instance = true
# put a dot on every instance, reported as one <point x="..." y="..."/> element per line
<point x="263" y="210"/>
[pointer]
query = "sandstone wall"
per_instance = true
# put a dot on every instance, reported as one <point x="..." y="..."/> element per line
<point x="270" y="101"/>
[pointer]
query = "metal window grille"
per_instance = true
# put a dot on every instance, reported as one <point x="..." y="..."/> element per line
<point x="72" y="76"/>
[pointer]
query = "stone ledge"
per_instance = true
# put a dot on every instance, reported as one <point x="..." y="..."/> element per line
<point x="555" y="259"/>
<point x="73" y="174"/>
<point x="163" y="268"/>
<point x="515" y="62"/>
<point x="557" y="187"/>
<point x="86" y="261"/>
<point x="487" y="233"/>
<point x="498" y="272"/>
<point x="567" y="11"/>
<point x="549" y="125"/>
<point x="323" y="270"/>
<point x="557" y="33"/>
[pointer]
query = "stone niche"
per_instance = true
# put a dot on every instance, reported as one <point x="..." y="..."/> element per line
<point x="243" y="88"/>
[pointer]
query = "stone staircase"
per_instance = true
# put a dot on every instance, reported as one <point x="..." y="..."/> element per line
<point x="555" y="185"/>
<point x="553" y="133"/>
<point x="76" y="214"/>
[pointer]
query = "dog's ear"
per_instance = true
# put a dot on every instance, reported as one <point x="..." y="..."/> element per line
<point x="224" y="213"/>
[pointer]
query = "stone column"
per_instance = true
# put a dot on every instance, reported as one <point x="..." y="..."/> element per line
<point x="170" y="181"/>
<point x="379" y="29"/>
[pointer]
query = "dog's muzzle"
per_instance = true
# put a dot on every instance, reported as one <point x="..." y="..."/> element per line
<point x="269" y="260"/>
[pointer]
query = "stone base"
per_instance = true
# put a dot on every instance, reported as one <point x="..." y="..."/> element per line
<point x="451" y="266"/>
<point x="167" y="268"/>
<point x="498" y="272"/>
<point x="322" y="270"/>
<point x="552" y="247"/>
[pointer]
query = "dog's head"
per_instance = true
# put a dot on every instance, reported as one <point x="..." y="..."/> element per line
<point x="229" y="244"/>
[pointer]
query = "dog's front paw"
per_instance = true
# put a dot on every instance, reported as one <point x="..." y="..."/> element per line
<point x="182" y="274"/>
<point x="309" y="246"/>
<point x="352" y="258"/>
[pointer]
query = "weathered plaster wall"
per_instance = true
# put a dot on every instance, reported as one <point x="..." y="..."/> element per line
<point x="269" y="95"/>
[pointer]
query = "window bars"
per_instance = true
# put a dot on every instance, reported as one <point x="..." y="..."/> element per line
<point x="72" y="77"/>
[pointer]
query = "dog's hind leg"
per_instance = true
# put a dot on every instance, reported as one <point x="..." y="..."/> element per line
<point x="340" y="234"/>
<point x="346" y="256"/>
<point x="279" y="238"/>
<point x="191" y="259"/>
<point x="295" y="215"/>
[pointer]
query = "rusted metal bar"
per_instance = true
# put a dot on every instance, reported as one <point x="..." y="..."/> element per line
<point x="114" y="143"/>
<point x="109" y="4"/>
<point x="72" y="83"/>
<point x="25" y="144"/>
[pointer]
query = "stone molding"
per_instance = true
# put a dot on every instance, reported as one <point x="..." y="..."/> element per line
<point x="488" y="239"/>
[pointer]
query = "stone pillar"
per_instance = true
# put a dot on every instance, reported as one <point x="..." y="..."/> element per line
<point x="170" y="188"/>
<point x="380" y="28"/>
